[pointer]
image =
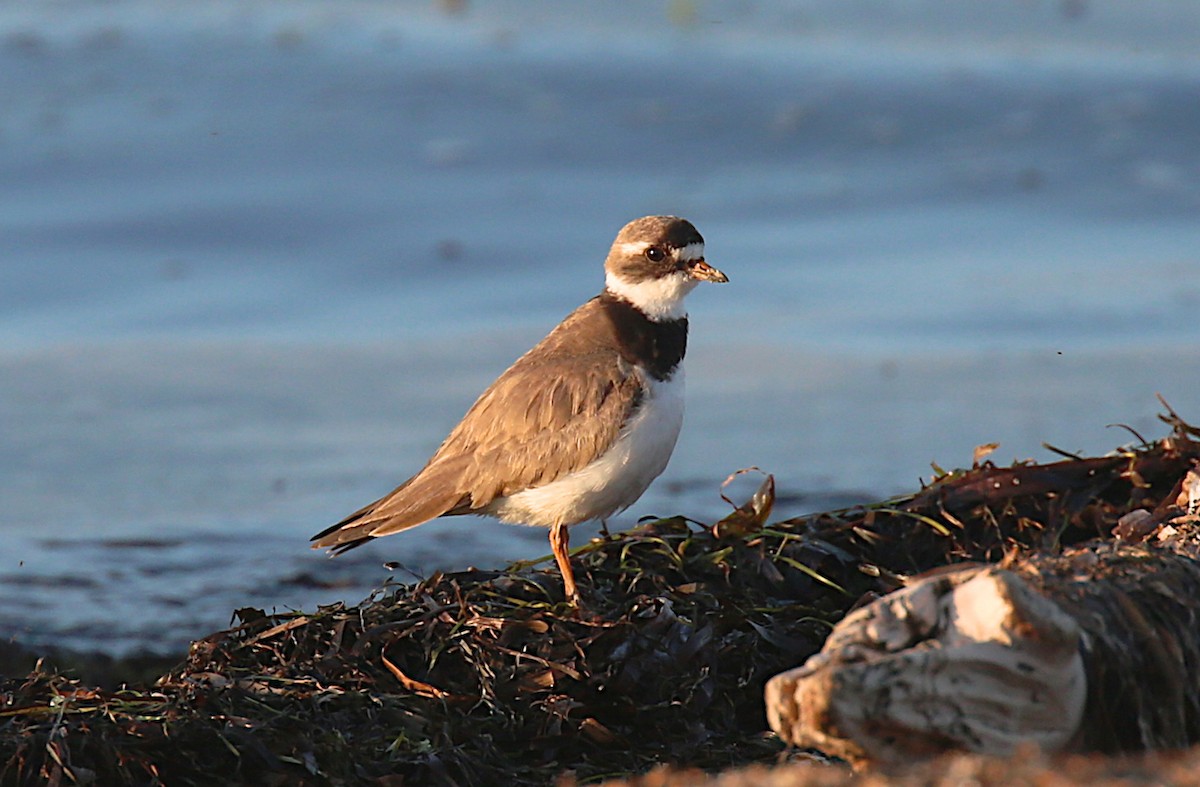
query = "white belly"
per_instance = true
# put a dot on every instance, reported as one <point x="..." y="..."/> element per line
<point x="615" y="480"/>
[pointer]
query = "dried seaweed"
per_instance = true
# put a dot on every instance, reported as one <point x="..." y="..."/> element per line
<point x="489" y="677"/>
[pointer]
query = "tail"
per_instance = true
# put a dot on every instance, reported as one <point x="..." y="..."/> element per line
<point x="412" y="503"/>
<point x="353" y="531"/>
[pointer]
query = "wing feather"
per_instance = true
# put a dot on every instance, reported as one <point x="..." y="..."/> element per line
<point x="540" y="422"/>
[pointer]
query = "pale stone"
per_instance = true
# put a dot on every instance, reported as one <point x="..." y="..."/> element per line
<point x="973" y="659"/>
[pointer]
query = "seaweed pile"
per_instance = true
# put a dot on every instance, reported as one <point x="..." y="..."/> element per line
<point x="489" y="677"/>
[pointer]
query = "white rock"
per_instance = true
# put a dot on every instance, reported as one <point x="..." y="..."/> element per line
<point x="973" y="659"/>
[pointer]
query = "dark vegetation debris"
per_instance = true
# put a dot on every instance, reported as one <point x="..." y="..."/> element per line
<point x="481" y="677"/>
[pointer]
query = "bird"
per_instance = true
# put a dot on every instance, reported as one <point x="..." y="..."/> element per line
<point x="579" y="426"/>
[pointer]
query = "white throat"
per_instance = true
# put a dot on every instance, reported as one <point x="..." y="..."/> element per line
<point x="660" y="299"/>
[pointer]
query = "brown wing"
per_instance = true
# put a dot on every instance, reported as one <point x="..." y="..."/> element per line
<point x="539" y="422"/>
<point x="556" y="409"/>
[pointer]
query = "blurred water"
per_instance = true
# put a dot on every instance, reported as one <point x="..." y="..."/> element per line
<point x="259" y="257"/>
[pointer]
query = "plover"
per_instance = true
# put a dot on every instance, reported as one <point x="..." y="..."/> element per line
<point x="580" y="425"/>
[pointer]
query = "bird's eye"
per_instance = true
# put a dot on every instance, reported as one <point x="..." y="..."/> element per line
<point x="655" y="254"/>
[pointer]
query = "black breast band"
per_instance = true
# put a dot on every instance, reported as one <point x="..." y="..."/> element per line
<point x="658" y="346"/>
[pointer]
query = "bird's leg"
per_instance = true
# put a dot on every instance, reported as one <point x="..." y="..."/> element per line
<point x="604" y="528"/>
<point x="559" y="544"/>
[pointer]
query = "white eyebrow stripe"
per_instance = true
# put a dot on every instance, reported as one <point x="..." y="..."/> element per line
<point x="692" y="251"/>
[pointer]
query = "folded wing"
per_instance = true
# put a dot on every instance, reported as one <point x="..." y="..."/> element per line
<point x="557" y="409"/>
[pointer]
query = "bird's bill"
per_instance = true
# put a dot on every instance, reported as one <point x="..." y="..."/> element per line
<point x="699" y="269"/>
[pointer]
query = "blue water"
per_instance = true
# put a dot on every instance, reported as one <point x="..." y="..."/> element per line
<point x="259" y="257"/>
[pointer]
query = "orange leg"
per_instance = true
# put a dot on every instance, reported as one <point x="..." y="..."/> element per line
<point x="559" y="544"/>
